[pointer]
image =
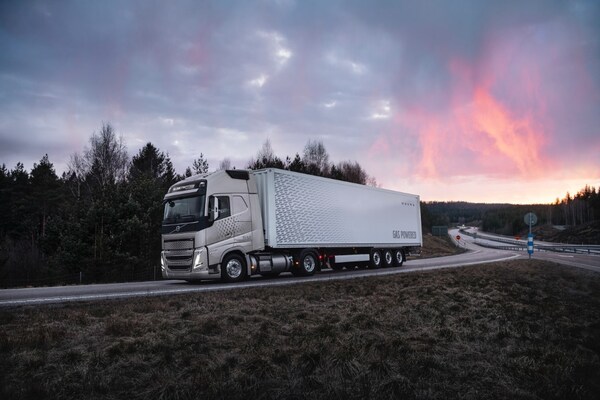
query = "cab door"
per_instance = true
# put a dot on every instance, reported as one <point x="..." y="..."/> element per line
<point x="242" y="218"/>
<point x="220" y="236"/>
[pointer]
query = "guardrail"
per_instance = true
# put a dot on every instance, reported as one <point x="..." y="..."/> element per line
<point x="522" y="245"/>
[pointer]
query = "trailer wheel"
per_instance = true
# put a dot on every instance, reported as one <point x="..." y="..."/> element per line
<point x="308" y="262"/>
<point x="398" y="257"/>
<point x="375" y="259"/>
<point x="388" y="258"/>
<point x="233" y="268"/>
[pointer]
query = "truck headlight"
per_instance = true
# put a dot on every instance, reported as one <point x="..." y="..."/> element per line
<point x="198" y="262"/>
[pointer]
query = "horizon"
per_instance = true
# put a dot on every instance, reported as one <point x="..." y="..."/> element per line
<point x="211" y="169"/>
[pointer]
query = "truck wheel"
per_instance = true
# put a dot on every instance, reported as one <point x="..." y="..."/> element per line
<point x="233" y="268"/>
<point x="388" y="258"/>
<point x="375" y="259"/>
<point x="398" y="257"/>
<point x="307" y="263"/>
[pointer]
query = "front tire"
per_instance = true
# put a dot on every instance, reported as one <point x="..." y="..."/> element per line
<point x="233" y="268"/>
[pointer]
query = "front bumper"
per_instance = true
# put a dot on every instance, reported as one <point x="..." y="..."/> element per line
<point x="199" y="269"/>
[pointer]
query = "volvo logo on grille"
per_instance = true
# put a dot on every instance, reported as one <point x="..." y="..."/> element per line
<point x="178" y="228"/>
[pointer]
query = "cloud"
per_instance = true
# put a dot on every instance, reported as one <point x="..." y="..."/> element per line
<point x="516" y="109"/>
<point x="277" y="45"/>
<point x="259" y="82"/>
<point x="427" y="90"/>
<point x="382" y="110"/>
<point x="346" y="64"/>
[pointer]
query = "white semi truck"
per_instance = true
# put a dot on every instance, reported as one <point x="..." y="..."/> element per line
<point x="233" y="224"/>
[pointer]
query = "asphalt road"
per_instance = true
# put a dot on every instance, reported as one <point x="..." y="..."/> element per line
<point x="475" y="255"/>
<point x="586" y="261"/>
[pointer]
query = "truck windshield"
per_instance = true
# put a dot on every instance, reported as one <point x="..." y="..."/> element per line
<point x="187" y="209"/>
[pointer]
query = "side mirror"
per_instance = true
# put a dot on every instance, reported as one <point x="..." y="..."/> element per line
<point x="213" y="208"/>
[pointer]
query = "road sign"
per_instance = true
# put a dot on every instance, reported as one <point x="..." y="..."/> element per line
<point x="530" y="219"/>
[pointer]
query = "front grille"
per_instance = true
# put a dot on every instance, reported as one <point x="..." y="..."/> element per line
<point x="184" y="244"/>
<point x="179" y="253"/>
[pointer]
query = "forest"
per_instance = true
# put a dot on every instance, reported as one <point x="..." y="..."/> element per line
<point x="100" y="220"/>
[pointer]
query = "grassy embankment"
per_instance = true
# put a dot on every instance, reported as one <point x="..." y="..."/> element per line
<point x="522" y="329"/>
<point x="436" y="246"/>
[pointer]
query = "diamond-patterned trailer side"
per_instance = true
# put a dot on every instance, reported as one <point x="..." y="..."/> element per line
<point x="301" y="210"/>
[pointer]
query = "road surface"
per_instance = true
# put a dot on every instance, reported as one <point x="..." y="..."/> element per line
<point x="580" y="260"/>
<point x="475" y="255"/>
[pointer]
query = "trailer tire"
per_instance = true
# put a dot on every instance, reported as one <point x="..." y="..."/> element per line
<point x="233" y="268"/>
<point x="308" y="263"/>
<point x="375" y="259"/>
<point x="388" y="258"/>
<point x="398" y="257"/>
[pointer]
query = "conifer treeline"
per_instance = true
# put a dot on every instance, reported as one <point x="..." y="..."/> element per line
<point x="579" y="209"/>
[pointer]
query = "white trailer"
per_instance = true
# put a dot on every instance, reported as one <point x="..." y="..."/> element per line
<point x="233" y="224"/>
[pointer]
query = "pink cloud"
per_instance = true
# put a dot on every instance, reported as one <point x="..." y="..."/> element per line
<point x="506" y="111"/>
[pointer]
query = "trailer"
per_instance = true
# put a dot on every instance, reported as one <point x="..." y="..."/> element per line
<point x="233" y="224"/>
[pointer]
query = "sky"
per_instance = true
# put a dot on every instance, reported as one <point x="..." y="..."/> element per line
<point x="470" y="100"/>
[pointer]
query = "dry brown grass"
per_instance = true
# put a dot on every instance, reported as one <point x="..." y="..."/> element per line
<point x="436" y="246"/>
<point x="523" y="329"/>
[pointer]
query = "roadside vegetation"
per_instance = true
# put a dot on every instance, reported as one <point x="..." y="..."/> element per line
<point x="439" y="246"/>
<point x="515" y="330"/>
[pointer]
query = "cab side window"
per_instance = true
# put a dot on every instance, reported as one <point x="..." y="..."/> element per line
<point x="224" y="207"/>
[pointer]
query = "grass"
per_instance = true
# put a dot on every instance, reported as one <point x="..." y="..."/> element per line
<point x="438" y="246"/>
<point x="515" y="330"/>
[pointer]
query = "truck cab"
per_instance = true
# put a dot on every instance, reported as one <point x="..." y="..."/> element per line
<point x="209" y="221"/>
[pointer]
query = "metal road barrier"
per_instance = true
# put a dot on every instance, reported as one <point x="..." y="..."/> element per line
<point x="522" y="245"/>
